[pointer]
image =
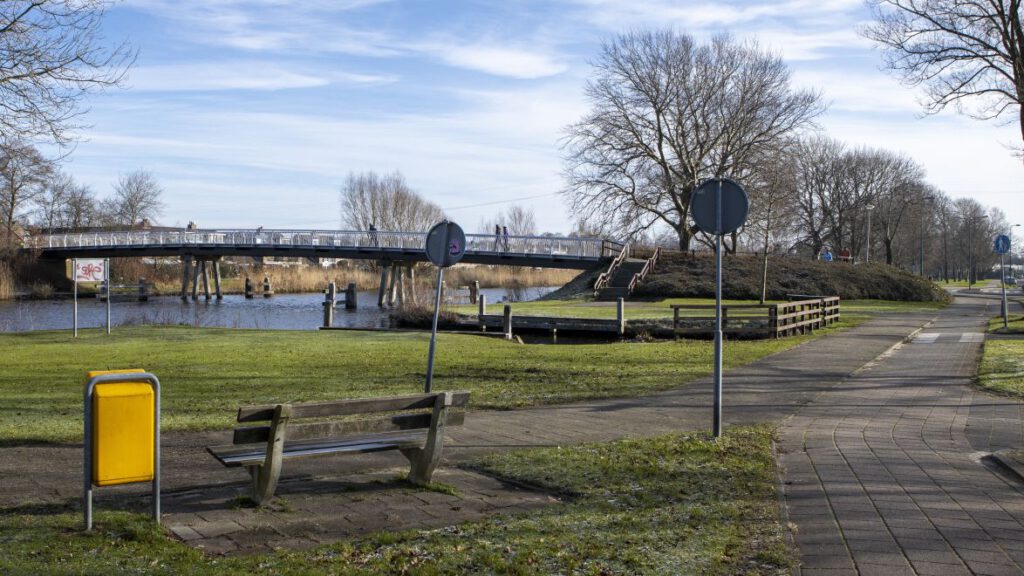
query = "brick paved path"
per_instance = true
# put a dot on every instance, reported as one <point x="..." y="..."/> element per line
<point x="881" y="476"/>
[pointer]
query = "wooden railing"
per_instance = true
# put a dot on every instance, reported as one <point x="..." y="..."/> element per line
<point x="606" y="276"/>
<point x="639" y="276"/>
<point x="765" y="320"/>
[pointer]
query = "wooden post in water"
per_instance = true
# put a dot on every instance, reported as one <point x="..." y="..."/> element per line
<point x="329" y="305"/>
<point x="482" y="302"/>
<point x="216" y="279"/>
<point x="350" y="296"/>
<point x="383" y="283"/>
<point x="186" y="265"/>
<point x="248" y="288"/>
<point x="506" y="321"/>
<point x="474" y="291"/>
<point x="143" y="290"/>
<point x="268" y="291"/>
<point x="332" y="293"/>
<point x="620" y="315"/>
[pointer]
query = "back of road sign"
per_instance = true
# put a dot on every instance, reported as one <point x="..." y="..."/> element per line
<point x="704" y="206"/>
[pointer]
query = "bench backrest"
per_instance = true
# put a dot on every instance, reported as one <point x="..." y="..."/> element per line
<point x="415" y="412"/>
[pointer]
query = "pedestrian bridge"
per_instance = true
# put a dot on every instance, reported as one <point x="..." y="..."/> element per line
<point x="536" y="251"/>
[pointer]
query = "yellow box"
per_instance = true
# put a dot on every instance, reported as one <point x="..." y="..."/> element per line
<point x="122" y="431"/>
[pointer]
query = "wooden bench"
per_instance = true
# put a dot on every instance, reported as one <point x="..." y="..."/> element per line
<point x="417" y="431"/>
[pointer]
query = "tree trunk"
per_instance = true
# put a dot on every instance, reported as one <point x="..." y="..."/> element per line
<point x="888" y="251"/>
<point x="684" y="237"/>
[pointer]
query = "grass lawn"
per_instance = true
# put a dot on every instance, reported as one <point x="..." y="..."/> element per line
<point x="206" y="373"/>
<point x="677" y="504"/>
<point x="1002" y="366"/>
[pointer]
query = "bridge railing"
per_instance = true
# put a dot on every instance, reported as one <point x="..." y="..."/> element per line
<point x="555" y="246"/>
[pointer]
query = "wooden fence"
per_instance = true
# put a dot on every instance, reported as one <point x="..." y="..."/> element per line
<point x="764" y="320"/>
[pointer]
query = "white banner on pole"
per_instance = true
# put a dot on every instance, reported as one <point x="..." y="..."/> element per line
<point x="90" y="270"/>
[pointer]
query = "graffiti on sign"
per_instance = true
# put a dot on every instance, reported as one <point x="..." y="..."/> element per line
<point x="89" y="270"/>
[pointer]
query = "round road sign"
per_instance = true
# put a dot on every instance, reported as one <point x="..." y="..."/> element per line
<point x="446" y="244"/>
<point x="705" y="201"/>
<point x="1001" y="244"/>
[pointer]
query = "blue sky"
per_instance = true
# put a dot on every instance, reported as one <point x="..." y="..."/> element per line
<point x="252" y="112"/>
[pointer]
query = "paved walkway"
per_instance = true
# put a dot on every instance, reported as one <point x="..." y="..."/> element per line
<point x="881" y="458"/>
<point x="881" y="474"/>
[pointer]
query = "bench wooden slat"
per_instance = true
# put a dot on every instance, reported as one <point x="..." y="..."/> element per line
<point x="254" y="434"/>
<point x="232" y="455"/>
<point x="350" y="407"/>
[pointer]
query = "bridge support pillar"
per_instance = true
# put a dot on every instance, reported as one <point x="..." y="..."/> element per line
<point x="186" y="268"/>
<point x="383" y="283"/>
<point x="196" y="267"/>
<point x="396" y="271"/>
<point x="216" y="279"/>
<point x="412" y="283"/>
<point x="206" y="279"/>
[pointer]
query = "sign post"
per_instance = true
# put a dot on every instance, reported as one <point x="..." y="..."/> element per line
<point x="89" y="270"/>
<point x="446" y="244"/>
<point x="719" y="206"/>
<point x="1001" y="246"/>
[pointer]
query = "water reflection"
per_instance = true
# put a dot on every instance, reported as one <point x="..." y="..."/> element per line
<point x="282" y="312"/>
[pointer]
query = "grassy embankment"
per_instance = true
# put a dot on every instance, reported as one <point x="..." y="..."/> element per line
<point x="677" y="504"/>
<point x="1002" y="363"/>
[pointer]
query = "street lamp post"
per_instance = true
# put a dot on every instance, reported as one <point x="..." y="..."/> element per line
<point x="867" y="248"/>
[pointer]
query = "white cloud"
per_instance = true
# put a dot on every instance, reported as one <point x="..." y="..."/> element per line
<point x="617" y="15"/>
<point x="498" y="60"/>
<point x="869" y="92"/>
<point x="234" y="75"/>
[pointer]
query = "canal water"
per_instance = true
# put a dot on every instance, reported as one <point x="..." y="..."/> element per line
<point x="281" y="312"/>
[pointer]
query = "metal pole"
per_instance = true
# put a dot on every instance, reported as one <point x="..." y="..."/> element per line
<point x="74" y="314"/>
<point x="716" y="425"/>
<point x="1002" y="282"/>
<point x="106" y="266"/>
<point x="433" y="330"/>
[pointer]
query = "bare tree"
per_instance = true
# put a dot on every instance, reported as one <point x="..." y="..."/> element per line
<point x="23" y="175"/>
<point x="772" y="202"/>
<point x="818" y="173"/>
<point x="81" y="208"/>
<point x="667" y="113"/>
<point x="52" y="54"/>
<point x="519" y="220"/>
<point x="136" y="198"/>
<point x="386" y="202"/>
<point x="966" y="53"/>
<point x="64" y="203"/>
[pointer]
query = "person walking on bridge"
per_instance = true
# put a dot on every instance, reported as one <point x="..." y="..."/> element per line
<point x="373" y="235"/>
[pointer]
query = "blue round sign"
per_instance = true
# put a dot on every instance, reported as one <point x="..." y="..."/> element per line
<point x="1001" y="244"/>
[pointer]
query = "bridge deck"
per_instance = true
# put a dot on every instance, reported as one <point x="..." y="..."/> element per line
<point x="538" y="251"/>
